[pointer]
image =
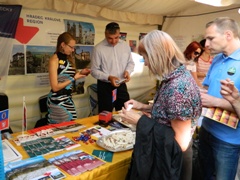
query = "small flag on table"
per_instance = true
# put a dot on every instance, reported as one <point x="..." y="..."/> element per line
<point x="24" y="122"/>
<point x="114" y="95"/>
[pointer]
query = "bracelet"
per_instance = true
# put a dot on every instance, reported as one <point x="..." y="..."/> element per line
<point x="72" y="79"/>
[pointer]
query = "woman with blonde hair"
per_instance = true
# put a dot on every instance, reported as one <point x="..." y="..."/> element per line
<point x="162" y="137"/>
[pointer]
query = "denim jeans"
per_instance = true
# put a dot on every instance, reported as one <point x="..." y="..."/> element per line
<point x="217" y="157"/>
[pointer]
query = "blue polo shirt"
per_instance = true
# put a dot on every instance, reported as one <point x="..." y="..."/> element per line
<point x="223" y="67"/>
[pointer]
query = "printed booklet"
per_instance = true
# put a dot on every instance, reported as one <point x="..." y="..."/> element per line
<point x="227" y="118"/>
<point x="36" y="168"/>
<point x="76" y="162"/>
<point x="9" y="152"/>
<point x="48" y="145"/>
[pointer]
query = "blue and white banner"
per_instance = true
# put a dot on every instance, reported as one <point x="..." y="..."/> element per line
<point x="9" y="16"/>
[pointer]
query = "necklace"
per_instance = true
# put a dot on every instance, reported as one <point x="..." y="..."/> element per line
<point x="206" y="59"/>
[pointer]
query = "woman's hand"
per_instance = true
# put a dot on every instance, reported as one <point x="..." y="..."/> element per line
<point x="135" y="104"/>
<point x="78" y="76"/>
<point x="85" y="71"/>
<point x="130" y="116"/>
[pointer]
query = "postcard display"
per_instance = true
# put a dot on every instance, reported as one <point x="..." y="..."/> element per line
<point x="73" y="162"/>
<point x="36" y="168"/>
<point x="76" y="162"/>
<point x="40" y="142"/>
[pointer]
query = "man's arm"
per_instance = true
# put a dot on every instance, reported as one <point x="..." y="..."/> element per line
<point x="211" y="101"/>
<point x="231" y="94"/>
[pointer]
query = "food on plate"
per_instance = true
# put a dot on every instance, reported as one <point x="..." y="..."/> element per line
<point x="118" y="140"/>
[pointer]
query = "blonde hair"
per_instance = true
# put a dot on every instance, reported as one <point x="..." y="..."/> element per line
<point x="163" y="54"/>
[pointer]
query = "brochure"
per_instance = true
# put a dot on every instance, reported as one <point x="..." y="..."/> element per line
<point x="9" y="152"/>
<point x="76" y="162"/>
<point x="55" y="129"/>
<point x="225" y="117"/>
<point x="48" y="145"/>
<point x="36" y="168"/>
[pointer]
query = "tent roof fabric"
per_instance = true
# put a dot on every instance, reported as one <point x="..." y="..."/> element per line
<point x="149" y="12"/>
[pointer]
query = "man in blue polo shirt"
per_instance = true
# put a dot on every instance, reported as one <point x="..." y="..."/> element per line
<point x="220" y="144"/>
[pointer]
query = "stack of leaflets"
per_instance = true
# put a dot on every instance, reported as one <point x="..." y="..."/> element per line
<point x="48" y="145"/>
<point x="10" y="154"/>
<point x="76" y="162"/>
<point x="36" y="168"/>
<point x="56" y="129"/>
<point x="25" y="138"/>
<point x="219" y="115"/>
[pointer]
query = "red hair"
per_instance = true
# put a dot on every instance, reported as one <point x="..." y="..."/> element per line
<point x="193" y="46"/>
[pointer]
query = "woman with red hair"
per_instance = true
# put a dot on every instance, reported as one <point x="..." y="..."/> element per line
<point x="191" y="53"/>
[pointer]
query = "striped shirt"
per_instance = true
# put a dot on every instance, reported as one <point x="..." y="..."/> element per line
<point x="203" y="66"/>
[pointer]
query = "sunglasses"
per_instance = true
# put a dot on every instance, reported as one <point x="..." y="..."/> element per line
<point x="196" y="53"/>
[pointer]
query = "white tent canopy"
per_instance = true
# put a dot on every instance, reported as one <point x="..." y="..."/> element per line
<point x="149" y="12"/>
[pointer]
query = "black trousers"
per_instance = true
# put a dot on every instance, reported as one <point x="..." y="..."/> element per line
<point x="105" y="102"/>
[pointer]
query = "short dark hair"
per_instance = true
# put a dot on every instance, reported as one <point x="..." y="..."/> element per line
<point x="203" y="42"/>
<point x="112" y="27"/>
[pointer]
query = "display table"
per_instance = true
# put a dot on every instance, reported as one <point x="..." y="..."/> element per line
<point x="116" y="170"/>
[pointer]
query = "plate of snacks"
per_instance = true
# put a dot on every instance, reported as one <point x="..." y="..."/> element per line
<point x="118" y="140"/>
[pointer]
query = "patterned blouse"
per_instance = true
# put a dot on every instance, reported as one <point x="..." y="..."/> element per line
<point x="177" y="97"/>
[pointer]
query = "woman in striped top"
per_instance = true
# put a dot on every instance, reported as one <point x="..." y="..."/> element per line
<point x="204" y="62"/>
<point x="62" y="75"/>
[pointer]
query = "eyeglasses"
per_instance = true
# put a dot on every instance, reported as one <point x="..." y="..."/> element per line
<point x="196" y="53"/>
<point x="71" y="46"/>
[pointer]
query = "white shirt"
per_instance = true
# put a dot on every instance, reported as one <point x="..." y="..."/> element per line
<point x="111" y="60"/>
<point x="191" y="66"/>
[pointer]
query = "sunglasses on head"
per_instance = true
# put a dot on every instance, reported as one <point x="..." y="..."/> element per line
<point x="196" y="53"/>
